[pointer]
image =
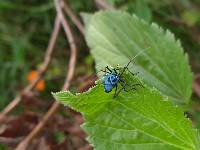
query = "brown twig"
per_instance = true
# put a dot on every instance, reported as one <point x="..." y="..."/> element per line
<point x="73" y="17"/>
<point x="70" y="73"/>
<point x="101" y="4"/>
<point x="72" y="44"/>
<point x="41" y="70"/>
<point x="196" y="85"/>
<point x="10" y="141"/>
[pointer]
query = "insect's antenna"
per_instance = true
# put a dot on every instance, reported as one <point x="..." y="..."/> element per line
<point x="126" y="67"/>
<point x="139" y="53"/>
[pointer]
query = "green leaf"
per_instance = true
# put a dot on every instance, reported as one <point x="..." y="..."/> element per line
<point x="86" y="18"/>
<point x="141" y="9"/>
<point x="141" y="119"/>
<point x="116" y="37"/>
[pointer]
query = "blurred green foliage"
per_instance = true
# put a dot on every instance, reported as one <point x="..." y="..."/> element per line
<point x="25" y="28"/>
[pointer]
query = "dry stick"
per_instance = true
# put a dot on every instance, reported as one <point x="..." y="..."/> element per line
<point x="73" y="17"/>
<point x="23" y="145"/>
<point x="196" y="85"/>
<point x="41" y="71"/>
<point x="102" y="4"/>
<point x="10" y="141"/>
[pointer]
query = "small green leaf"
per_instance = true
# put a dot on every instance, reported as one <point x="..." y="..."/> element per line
<point x="116" y="37"/>
<point x="141" y="119"/>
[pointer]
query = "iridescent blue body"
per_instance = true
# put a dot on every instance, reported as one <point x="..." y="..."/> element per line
<point x="110" y="81"/>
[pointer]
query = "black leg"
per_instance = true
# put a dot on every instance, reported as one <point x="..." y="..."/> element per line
<point x="126" y="68"/>
<point x="115" y="92"/>
<point x="115" y="70"/>
<point x="103" y="71"/>
<point x="108" y="69"/>
<point x="123" y="87"/>
<point x="122" y="82"/>
<point x="132" y="73"/>
<point x="139" y="85"/>
<point x="133" y="87"/>
<point x="129" y="89"/>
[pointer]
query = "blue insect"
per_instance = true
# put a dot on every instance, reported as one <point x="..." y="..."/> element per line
<point x="113" y="77"/>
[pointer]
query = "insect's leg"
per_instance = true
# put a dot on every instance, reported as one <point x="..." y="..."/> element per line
<point x="115" y="70"/>
<point x="121" y="81"/>
<point x="120" y="74"/>
<point x="126" y="68"/>
<point x="123" y="87"/>
<point x="102" y="71"/>
<point x="127" y="90"/>
<point x="133" y="87"/>
<point x="132" y="72"/>
<point x="108" y="69"/>
<point x="123" y="84"/>
<point x="139" y="85"/>
<point x="115" y="92"/>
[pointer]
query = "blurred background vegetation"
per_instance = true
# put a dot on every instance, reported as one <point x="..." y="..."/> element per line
<point x="25" y="28"/>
